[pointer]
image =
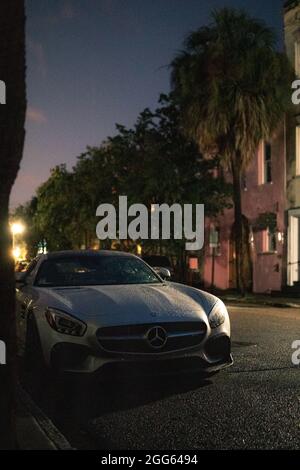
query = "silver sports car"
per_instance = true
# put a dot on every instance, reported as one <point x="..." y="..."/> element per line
<point x="109" y="312"/>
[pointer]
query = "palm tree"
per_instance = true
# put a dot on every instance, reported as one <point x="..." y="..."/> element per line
<point x="12" y="117"/>
<point x="233" y="87"/>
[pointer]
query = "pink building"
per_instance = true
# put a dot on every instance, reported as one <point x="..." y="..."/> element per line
<point x="271" y="201"/>
<point x="263" y="203"/>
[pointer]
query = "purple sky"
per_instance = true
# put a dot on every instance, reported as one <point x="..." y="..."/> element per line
<point x="92" y="63"/>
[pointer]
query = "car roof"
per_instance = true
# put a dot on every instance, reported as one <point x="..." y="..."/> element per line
<point x="71" y="253"/>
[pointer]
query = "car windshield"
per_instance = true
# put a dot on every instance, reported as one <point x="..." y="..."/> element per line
<point x="94" y="270"/>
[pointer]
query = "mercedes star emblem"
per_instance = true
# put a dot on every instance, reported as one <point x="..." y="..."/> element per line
<point x="157" y="337"/>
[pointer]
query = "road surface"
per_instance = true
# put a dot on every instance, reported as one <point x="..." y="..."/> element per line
<point x="254" y="404"/>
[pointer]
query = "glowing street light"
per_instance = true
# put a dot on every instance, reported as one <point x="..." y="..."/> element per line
<point x="17" y="228"/>
<point x="16" y="252"/>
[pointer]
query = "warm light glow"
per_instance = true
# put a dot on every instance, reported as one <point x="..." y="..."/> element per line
<point x="139" y="249"/>
<point x="17" y="253"/>
<point x="193" y="263"/>
<point x="280" y="236"/>
<point x="17" y="228"/>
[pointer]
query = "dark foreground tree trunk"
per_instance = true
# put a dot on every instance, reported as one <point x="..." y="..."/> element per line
<point x="12" y="117"/>
<point x="7" y="332"/>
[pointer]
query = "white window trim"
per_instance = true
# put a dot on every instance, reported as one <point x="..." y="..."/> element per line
<point x="261" y="161"/>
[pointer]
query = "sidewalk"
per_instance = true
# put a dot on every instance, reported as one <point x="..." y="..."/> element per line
<point x="35" y="431"/>
<point x="260" y="300"/>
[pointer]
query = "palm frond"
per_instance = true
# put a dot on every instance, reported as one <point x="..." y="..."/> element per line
<point x="232" y="84"/>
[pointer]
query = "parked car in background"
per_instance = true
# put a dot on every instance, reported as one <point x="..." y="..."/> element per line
<point x="21" y="266"/>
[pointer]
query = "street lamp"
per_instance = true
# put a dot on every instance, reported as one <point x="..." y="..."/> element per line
<point x="16" y="252"/>
<point x="17" y="228"/>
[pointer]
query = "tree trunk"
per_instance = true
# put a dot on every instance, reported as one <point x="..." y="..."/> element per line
<point x="238" y="222"/>
<point x="12" y="117"/>
<point x="247" y="268"/>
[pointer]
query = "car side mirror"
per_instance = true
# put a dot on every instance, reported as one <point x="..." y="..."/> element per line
<point x="164" y="273"/>
<point x="20" y="279"/>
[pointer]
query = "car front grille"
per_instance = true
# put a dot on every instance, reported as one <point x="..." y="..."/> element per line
<point x="151" y="338"/>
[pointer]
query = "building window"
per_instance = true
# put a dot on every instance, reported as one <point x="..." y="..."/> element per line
<point x="265" y="163"/>
<point x="269" y="240"/>
<point x="297" y="150"/>
<point x="297" y="58"/>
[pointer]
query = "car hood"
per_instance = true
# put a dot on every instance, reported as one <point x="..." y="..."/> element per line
<point x="126" y="304"/>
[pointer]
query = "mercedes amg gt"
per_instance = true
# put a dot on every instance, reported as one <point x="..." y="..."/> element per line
<point x="108" y="312"/>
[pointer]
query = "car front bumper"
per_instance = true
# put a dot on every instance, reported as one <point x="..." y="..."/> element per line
<point x="213" y="355"/>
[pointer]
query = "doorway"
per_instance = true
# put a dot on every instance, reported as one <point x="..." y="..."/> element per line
<point x="293" y="247"/>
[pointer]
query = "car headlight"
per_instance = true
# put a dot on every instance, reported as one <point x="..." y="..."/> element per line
<point x="218" y="315"/>
<point x="65" y="323"/>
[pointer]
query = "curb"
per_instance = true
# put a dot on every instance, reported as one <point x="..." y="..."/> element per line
<point x="236" y="303"/>
<point x="35" y="431"/>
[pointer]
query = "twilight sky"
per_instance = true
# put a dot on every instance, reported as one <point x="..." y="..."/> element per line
<point x="92" y="63"/>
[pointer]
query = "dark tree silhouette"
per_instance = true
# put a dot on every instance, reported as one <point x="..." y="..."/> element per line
<point x="12" y="118"/>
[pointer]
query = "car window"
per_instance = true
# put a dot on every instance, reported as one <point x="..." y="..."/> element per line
<point x="94" y="270"/>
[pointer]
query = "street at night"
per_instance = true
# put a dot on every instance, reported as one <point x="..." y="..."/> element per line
<point x="253" y="404"/>
<point x="150" y="229"/>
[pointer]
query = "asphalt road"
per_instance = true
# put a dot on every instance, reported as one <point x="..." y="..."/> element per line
<point x="254" y="404"/>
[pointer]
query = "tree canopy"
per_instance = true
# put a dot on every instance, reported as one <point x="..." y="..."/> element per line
<point x="152" y="162"/>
